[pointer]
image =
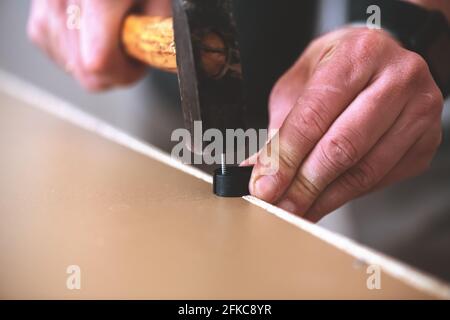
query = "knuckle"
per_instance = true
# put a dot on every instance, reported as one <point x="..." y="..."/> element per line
<point x="367" y="44"/>
<point x="415" y="66"/>
<point x="304" y="188"/>
<point x="287" y="159"/>
<point x="313" y="115"/>
<point x="362" y="177"/>
<point x="310" y="120"/>
<point x="339" y="151"/>
<point x="328" y="52"/>
<point x="436" y="100"/>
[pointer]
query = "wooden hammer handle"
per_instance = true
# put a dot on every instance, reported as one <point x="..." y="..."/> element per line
<point x="150" y="40"/>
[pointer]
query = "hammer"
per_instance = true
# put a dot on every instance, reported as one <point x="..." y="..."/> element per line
<point x="200" y="44"/>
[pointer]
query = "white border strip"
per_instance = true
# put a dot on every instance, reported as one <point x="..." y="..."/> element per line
<point x="45" y="101"/>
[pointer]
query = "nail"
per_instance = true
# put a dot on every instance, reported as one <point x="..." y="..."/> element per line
<point x="264" y="188"/>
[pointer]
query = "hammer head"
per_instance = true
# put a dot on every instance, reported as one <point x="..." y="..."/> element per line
<point x="209" y="65"/>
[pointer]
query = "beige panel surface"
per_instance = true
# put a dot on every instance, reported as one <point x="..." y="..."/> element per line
<point x="140" y="229"/>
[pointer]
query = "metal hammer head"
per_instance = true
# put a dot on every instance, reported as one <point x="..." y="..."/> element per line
<point x="209" y="64"/>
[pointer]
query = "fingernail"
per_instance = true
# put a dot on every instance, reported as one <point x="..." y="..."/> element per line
<point x="264" y="188"/>
<point x="288" y="206"/>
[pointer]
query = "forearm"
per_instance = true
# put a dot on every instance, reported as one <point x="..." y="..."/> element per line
<point x="441" y="5"/>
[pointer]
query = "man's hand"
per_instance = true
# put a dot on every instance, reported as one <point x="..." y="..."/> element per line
<point x="356" y="112"/>
<point x="91" y="54"/>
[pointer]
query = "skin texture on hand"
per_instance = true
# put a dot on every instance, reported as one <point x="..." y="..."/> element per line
<point x="92" y="53"/>
<point x="356" y="112"/>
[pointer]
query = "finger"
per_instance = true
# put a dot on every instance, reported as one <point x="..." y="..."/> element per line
<point x="326" y="95"/>
<point x="70" y="20"/>
<point x="101" y="53"/>
<point x="290" y="86"/>
<point x="44" y="19"/>
<point x="350" y="137"/>
<point x="37" y="22"/>
<point x="416" y="161"/>
<point x="412" y="164"/>
<point x="415" y="133"/>
<point x="286" y="93"/>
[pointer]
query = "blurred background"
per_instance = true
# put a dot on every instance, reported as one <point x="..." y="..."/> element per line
<point x="410" y="221"/>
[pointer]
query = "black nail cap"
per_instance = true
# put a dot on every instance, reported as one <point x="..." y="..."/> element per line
<point x="233" y="182"/>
